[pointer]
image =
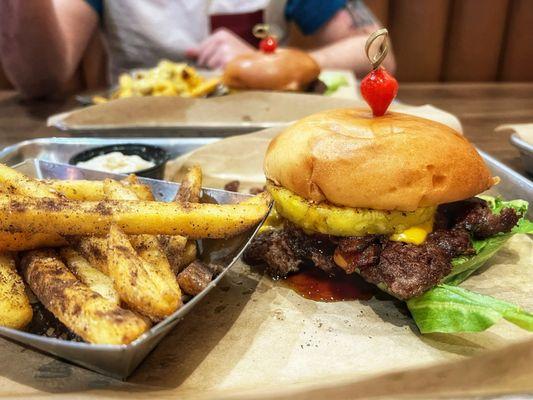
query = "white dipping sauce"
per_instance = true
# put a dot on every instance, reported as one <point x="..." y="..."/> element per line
<point x="116" y="162"/>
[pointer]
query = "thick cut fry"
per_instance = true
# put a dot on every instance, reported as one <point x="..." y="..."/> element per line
<point x="143" y="192"/>
<point x="92" y="190"/>
<point x="86" y="313"/>
<point x="149" y="249"/>
<point x="152" y="258"/>
<point x="179" y="251"/>
<point x="93" y="249"/>
<point x="188" y="256"/>
<point x="174" y="248"/>
<point x="131" y="179"/>
<point x="191" y="186"/>
<point x="19" y="241"/>
<point x="90" y="276"/>
<point x="195" y="278"/>
<point x="70" y="217"/>
<point x="147" y="246"/>
<point x="139" y="286"/>
<point x="16" y="183"/>
<point x="206" y="87"/>
<point x="114" y="190"/>
<point x="15" y="308"/>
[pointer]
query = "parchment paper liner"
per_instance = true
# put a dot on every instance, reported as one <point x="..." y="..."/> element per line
<point x="240" y="110"/>
<point x="255" y="338"/>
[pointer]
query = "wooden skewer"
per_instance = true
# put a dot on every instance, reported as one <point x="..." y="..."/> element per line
<point x="377" y="58"/>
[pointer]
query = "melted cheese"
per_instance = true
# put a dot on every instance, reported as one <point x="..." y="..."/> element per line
<point x="416" y="234"/>
<point x="272" y="222"/>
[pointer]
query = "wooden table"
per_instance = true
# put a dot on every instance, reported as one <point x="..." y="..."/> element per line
<point x="481" y="107"/>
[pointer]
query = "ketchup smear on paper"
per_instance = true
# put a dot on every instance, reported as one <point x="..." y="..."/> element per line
<point x="314" y="284"/>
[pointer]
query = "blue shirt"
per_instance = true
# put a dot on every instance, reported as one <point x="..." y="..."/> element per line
<point x="309" y="15"/>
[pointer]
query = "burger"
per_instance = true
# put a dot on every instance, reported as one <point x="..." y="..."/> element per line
<point x="391" y="198"/>
<point x="285" y="69"/>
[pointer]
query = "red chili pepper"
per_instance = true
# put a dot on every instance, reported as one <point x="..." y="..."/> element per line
<point x="378" y="89"/>
<point x="268" y="44"/>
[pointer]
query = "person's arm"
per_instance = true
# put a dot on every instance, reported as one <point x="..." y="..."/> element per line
<point x="42" y="42"/>
<point x="349" y="53"/>
<point x="340" y="41"/>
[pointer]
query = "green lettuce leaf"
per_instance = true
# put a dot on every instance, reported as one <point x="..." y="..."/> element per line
<point x="447" y="308"/>
<point x="451" y="309"/>
<point x="464" y="266"/>
<point x="333" y="82"/>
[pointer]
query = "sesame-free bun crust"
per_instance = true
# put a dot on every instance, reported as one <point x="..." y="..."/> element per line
<point x="395" y="162"/>
<point x="284" y="70"/>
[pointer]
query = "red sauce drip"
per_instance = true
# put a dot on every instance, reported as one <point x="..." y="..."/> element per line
<point x="315" y="284"/>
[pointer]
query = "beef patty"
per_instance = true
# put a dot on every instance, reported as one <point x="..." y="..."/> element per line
<point x="406" y="270"/>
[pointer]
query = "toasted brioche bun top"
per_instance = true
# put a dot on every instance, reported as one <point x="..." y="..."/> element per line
<point x="285" y="69"/>
<point x="395" y="162"/>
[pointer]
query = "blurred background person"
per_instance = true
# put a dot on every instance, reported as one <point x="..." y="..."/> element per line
<point x="42" y="42"/>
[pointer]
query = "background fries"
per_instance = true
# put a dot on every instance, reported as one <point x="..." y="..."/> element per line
<point x="166" y="79"/>
<point x="15" y="309"/>
<point x="86" y="313"/>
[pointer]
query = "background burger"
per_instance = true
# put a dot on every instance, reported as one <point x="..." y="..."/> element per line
<point x="282" y="70"/>
<point x="390" y="198"/>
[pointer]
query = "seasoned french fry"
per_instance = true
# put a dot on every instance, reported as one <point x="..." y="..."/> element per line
<point x="93" y="249"/>
<point x="191" y="186"/>
<point x="187" y="256"/>
<point x="16" y="183"/>
<point x="114" y="190"/>
<point x="206" y="87"/>
<point x="147" y="246"/>
<point x="174" y="248"/>
<point x="195" y="278"/>
<point x="90" y="276"/>
<point x="166" y="79"/>
<point x="92" y="190"/>
<point x="139" y="286"/>
<point x="15" y="308"/>
<point x="71" y="217"/>
<point x="86" y="313"/>
<point x="178" y="249"/>
<point x="143" y="192"/>
<point x="149" y="250"/>
<point x="20" y="241"/>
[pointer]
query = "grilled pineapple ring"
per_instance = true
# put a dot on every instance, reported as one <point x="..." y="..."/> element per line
<point x="344" y="221"/>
